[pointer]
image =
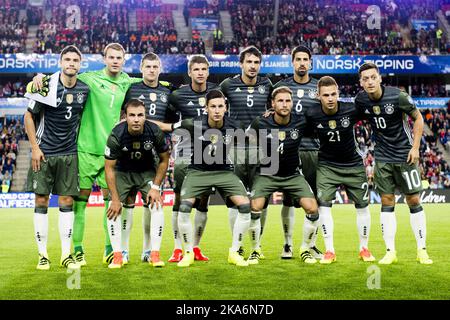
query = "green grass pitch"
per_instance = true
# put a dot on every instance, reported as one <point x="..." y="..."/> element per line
<point x="273" y="278"/>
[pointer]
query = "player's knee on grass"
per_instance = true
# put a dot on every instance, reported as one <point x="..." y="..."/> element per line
<point x="388" y="200"/>
<point x="185" y="206"/>
<point x="413" y="200"/>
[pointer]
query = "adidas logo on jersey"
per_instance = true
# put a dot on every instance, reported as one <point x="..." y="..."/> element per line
<point x="237" y="90"/>
<point x="124" y="149"/>
<point x="141" y="97"/>
<point x="320" y="126"/>
<point x="367" y="111"/>
<point x="190" y="103"/>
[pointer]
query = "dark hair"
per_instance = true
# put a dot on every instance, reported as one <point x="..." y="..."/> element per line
<point x="326" y="81"/>
<point x="252" y="50"/>
<point x="133" y="103"/>
<point x="214" y="94"/>
<point x="367" y="66"/>
<point x="282" y="89"/>
<point x="68" y="49"/>
<point x="300" y="49"/>
<point x="198" y="58"/>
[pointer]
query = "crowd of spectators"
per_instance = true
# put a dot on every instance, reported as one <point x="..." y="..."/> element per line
<point x="439" y="122"/>
<point x="13" y="31"/>
<point x="102" y="22"/>
<point x="12" y="88"/>
<point x="11" y="131"/>
<point x="334" y="27"/>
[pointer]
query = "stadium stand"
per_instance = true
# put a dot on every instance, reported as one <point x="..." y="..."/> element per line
<point x="335" y="27"/>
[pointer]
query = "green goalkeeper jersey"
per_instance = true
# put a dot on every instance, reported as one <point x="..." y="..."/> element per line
<point x="102" y="109"/>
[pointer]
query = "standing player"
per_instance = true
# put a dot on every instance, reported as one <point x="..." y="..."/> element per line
<point x="304" y="93"/>
<point x="285" y="129"/>
<point x="210" y="167"/>
<point x="130" y="167"/>
<point x="188" y="102"/>
<point x="54" y="165"/>
<point x="248" y="95"/>
<point x="340" y="163"/>
<point x="396" y="156"/>
<point x="155" y="95"/>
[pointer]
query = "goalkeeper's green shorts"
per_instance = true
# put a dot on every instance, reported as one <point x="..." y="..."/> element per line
<point x="91" y="167"/>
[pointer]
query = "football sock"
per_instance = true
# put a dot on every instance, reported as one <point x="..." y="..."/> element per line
<point x="108" y="246"/>
<point x="263" y="221"/>
<point x="310" y="225"/>
<point x="199" y="225"/>
<point x="65" y="226"/>
<point x="146" y="229"/>
<point x="255" y="229"/>
<point x="185" y="227"/>
<point x="363" y="224"/>
<point x="79" y="208"/>
<point x="327" y="225"/>
<point x="41" y="229"/>
<point x="157" y="226"/>
<point x="127" y="224"/>
<point x="176" y="231"/>
<point x="288" y="221"/>
<point x="388" y="226"/>
<point x="241" y="226"/>
<point x="232" y="215"/>
<point x="418" y="224"/>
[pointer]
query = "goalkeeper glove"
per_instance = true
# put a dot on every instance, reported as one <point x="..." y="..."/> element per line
<point x="45" y="84"/>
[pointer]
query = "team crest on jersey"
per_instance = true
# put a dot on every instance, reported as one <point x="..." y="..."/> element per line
<point x="136" y="145"/>
<point x="214" y="138"/>
<point x="153" y="96"/>
<point x="345" y="122"/>
<point x="227" y="139"/>
<point x="312" y="93"/>
<point x="261" y="89"/>
<point x="389" y="108"/>
<point x="202" y="101"/>
<point x="294" y="134"/>
<point x="376" y="110"/>
<point x="250" y="89"/>
<point x="69" y="98"/>
<point x="332" y="124"/>
<point x="300" y="93"/>
<point x="148" y="145"/>
<point x="113" y="88"/>
<point x="163" y="97"/>
<point x="281" y="135"/>
<point x="80" y="97"/>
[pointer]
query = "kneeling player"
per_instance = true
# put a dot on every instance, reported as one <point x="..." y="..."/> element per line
<point x="212" y="169"/>
<point x="129" y="167"/>
<point x="285" y="130"/>
<point x="340" y="163"/>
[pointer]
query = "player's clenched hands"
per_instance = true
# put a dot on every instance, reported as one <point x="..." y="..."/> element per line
<point x="413" y="156"/>
<point x="38" y="82"/>
<point x="154" y="198"/>
<point x="114" y="210"/>
<point x="36" y="157"/>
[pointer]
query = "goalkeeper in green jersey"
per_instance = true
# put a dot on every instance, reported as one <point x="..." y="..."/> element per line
<point x="108" y="88"/>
